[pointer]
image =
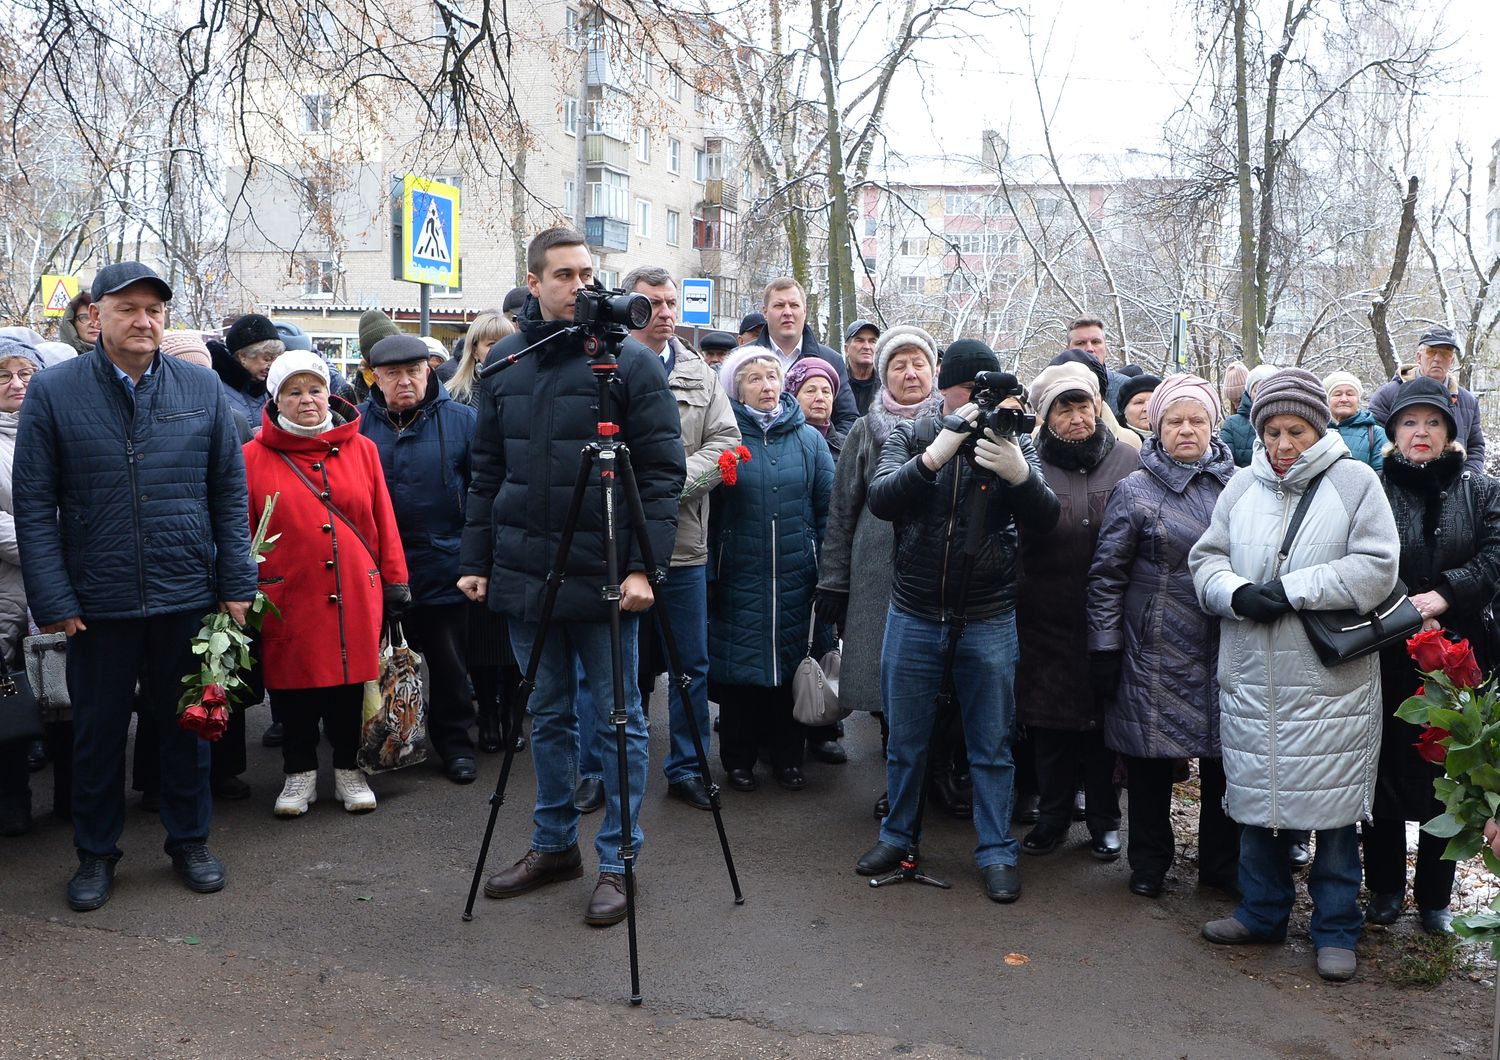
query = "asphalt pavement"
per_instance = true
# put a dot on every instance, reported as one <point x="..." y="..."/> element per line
<point x="341" y="936"/>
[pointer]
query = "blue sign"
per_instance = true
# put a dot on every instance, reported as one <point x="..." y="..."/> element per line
<point x="697" y="302"/>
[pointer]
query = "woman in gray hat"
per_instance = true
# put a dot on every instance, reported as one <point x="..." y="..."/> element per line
<point x="1299" y="738"/>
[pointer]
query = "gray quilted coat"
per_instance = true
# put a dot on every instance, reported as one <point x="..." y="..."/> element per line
<point x="1300" y="739"/>
<point x="1142" y="603"/>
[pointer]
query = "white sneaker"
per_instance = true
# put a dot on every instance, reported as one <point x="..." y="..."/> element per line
<point x="297" y="793"/>
<point x="351" y="787"/>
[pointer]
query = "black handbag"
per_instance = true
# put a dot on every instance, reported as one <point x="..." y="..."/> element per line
<point x="20" y="715"/>
<point x="1345" y="634"/>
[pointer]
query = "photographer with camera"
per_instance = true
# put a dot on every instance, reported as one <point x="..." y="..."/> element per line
<point x="535" y="419"/>
<point x="926" y="493"/>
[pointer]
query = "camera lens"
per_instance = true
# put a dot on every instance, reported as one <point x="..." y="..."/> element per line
<point x="634" y="311"/>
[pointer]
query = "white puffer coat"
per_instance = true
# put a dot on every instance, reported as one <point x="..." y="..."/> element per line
<point x="1301" y="740"/>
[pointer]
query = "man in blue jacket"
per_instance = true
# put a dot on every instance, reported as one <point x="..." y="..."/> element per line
<point x="788" y="335"/>
<point x="1437" y="357"/>
<point x="132" y="520"/>
<point x="534" y="420"/>
<point x="423" y="436"/>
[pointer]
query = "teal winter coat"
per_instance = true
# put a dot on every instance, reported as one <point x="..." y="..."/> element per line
<point x="764" y="533"/>
<point x="1239" y="433"/>
<point x="1364" y="437"/>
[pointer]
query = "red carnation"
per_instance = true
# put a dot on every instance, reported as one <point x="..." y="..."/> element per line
<point x="1429" y="649"/>
<point x="743" y="453"/>
<point x="1461" y="666"/>
<point x="1429" y="747"/>
<point x="729" y="468"/>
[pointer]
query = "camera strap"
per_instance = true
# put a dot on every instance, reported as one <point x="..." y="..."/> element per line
<point x="924" y="432"/>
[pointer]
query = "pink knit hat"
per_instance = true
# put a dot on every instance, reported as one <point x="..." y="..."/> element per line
<point x="805" y="369"/>
<point x="1176" y="388"/>
<point x="187" y="346"/>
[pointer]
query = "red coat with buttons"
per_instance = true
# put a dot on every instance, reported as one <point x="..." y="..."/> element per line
<point x="327" y="585"/>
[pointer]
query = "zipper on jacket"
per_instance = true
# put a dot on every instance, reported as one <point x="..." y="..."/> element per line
<point x="1270" y="679"/>
<point x="775" y="605"/>
<point x="135" y="510"/>
<point x="338" y="582"/>
<point x="948" y="544"/>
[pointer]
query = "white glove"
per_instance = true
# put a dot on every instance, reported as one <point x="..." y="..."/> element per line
<point x="947" y="444"/>
<point x="1002" y="456"/>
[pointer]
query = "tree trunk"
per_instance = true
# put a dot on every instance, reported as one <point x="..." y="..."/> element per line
<point x="1249" y="326"/>
<point x="1380" y="308"/>
<point x="840" y="290"/>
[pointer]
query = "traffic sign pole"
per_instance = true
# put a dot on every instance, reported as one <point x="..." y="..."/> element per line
<point x="424" y="327"/>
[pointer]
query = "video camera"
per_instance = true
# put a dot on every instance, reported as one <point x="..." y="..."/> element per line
<point x="990" y="389"/>
<point x="599" y="309"/>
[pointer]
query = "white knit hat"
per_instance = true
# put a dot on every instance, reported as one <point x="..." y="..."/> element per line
<point x="289" y="364"/>
<point x="1333" y="379"/>
<point x="897" y="337"/>
<point x="1258" y="375"/>
<point x="1057" y="380"/>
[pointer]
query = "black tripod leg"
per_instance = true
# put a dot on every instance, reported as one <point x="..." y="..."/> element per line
<point x="528" y="681"/>
<point x="683" y="682"/>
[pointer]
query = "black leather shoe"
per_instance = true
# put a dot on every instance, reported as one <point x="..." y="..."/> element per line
<point x="462" y="770"/>
<point x="742" y="780"/>
<point x="200" y="870"/>
<point x="36" y="756"/>
<point x="1436" y="921"/>
<point x="1105" y="846"/>
<point x="1002" y="883"/>
<point x="947" y="796"/>
<point x="231" y="789"/>
<point x="1383" y="909"/>
<point x="829" y="751"/>
<point x="691" y="791"/>
<point x="883" y="806"/>
<point x="1299" y="856"/>
<point x="792" y="778"/>
<point x="1145" y="886"/>
<point x="879" y="859"/>
<point x="274" y="736"/>
<point x="89" y="887"/>
<point x="589" y="795"/>
<point x="1027" y="810"/>
<point x="1043" y="840"/>
<point x="1080" y="807"/>
<point x="489" y="731"/>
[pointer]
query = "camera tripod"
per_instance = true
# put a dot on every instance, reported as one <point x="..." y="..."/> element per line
<point x="613" y="459"/>
<point x="946" y="700"/>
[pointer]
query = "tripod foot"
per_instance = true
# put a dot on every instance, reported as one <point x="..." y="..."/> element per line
<point x="909" y="872"/>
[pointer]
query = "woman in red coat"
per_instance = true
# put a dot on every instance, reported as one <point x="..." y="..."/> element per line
<point x="336" y="569"/>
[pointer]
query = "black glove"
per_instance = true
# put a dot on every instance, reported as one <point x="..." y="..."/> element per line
<point x="1261" y="603"/>
<point x="832" y="606"/>
<point x="1104" y="672"/>
<point x="397" y="600"/>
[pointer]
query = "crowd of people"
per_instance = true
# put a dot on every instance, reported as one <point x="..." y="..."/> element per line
<point x="794" y="498"/>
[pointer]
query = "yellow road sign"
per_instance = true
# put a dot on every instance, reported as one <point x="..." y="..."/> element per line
<point x="57" y="292"/>
<point x="429" y="232"/>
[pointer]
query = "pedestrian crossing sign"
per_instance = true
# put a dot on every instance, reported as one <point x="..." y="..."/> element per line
<point x="429" y="231"/>
<point x="57" y="292"/>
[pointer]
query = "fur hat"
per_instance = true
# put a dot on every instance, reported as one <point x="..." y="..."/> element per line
<point x="1059" y="379"/>
<point x="897" y="337"/>
<point x="1291" y="392"/>
<point x="1175" y="388"/>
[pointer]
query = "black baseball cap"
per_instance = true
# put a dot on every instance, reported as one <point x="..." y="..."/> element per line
<point x="751" y="321"/>
<point x="515" y="298"/>
<point x="860" y="325"/>
<point x="115" y="278"/>
<point x="718" y="340"/>
<point x="1438" y="336"/>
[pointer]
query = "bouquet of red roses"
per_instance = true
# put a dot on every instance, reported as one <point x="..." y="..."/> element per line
<point x="726" y="470"/>
<point x="1459" y="711"/>
<point x="223" y="650"/>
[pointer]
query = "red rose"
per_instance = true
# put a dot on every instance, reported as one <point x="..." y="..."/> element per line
<point x="218" y="721"/>
<point x="1428" y="649"/>
<point x="1461" y="666"/>
<point x="1428" y="746"/>
<point x="194" y="718"/>
<point x="729" y="468"/>
<point x="743" y="453"/>
<point x="213" y="696"/>
<point x="1421" y="690"/>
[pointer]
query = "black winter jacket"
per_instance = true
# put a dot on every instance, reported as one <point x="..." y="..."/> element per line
<point x="534" y="420"/>
<point x="930" y="512"/>
<point x="845" y="411"/>
<point x="128" y="507"/>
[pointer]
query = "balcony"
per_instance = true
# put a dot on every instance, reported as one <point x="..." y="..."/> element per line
<point x="720" y="192"/>
<point x="606" y="234"/>
<point x="606" y="71"/>
<point x="602" y="150"/>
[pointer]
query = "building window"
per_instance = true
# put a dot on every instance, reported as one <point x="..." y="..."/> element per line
<point x="570" y="116"/>
<point x="726" y="297"/>
<point x="674" y="155"/>
<point x="610" y="116"/>
<point x="676" y="86"/>
<point x="445" y="108"/>
<point x="643" y="144"/>
<point x="643" y="218"/>
<point x="454" y="12"/>
<point x="608" y="277"/>
<point x="645" y="65"/>
<point x="572" y="30"/>
<point x="957" y="203"/>
<point x="1047" y="207"/>
<point x="869" y="221"/>
<point x="609" y="196"/>
<point x="317" y="113"/>
<point x="700" y="165"/>
<point x="674" y="225"/>
<point x="456" y="289"/>
<point x="319" y="276"/>
<point x="570" y="198"/>
<point x="914" y="247"/>
<point x="320" y="28"/>
<point x="911" y="284"/>
<point x="714" y="229"/>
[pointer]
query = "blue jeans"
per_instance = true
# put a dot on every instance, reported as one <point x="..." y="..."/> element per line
<point x="984" y="671"/>
<point x="1332" y="881"/>
<point x="555" y="729"/>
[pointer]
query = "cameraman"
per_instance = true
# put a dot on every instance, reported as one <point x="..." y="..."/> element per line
<point x="921" y="488"/>
<point x="534" y="421"/>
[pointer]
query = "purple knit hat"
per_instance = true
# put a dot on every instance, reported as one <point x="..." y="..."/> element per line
<point x="1177" y="387"/>
<point x="808" y="367"/>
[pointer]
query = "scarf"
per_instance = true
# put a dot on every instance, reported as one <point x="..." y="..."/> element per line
<point x="766" y="418"/>
<point x="1429" y="482"/>
<point x="1076" y="456"/>
<point x="330" y="421"/>
<point x="885" y="413"/>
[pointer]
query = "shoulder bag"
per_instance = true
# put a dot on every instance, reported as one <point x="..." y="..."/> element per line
<point x="815" y="685"/>
<point x="46" y="657"/>
<point x="326" y="497"/>
<point x="20" y="716"/>
<point x="1345" y="634"/>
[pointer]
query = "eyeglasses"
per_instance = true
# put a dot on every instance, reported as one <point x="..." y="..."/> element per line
<point x="24" y="375"/>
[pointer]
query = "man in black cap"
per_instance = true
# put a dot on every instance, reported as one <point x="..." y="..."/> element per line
<point x="515" y="299"/>
<point x="715" y="346"/>
<point x="859" y="355"/>
<point x="751" y="327"/>
<point x="423" y="436"/>
<point x="1437" y="355"/>
<point x="253" y="343"/>
<point x="132" y="520"/>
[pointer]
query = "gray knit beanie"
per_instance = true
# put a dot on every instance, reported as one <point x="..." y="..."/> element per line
<point x="897" y="337"/>
<point x="1293" y="392"/>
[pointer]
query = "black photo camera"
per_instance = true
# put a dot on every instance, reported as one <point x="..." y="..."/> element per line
<point x="990" y="389"/>
<point x="599" y="308"/>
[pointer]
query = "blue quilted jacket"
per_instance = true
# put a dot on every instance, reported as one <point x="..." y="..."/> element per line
<point x="1239" y="433"/>
<point x="426" y="466"/>
<point x="129" y="507"/>
<point x="764" y="533"/>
